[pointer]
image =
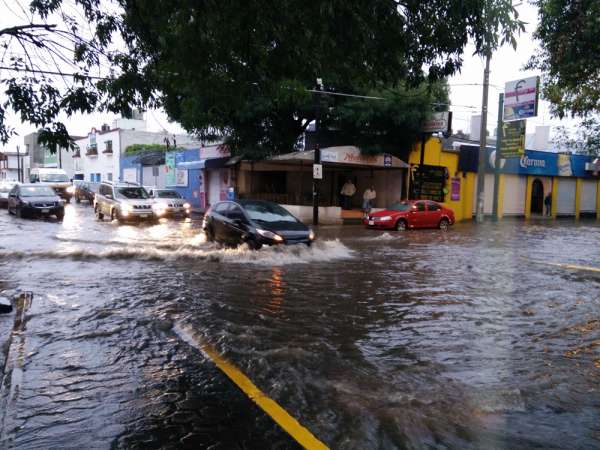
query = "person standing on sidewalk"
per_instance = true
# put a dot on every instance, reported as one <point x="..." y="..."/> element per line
<point x="368" y="197"/>
<point x="548" y="203"/>
<point x="348" y="191"/>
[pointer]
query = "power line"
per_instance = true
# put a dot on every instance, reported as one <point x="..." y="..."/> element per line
<point x="52" y="72"/>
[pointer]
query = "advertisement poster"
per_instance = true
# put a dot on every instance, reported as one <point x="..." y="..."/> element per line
<point x="181" y="176"/>
<point x="170" y="177"/>
<point x="521" y="98"/>
<point x="455" y="189"/>
<point x="513" y="139"/>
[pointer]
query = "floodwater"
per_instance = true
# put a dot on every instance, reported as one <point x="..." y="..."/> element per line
<point x="479" y="337"/>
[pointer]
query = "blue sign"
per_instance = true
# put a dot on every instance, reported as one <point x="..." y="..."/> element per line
<point x="542" y="163"/>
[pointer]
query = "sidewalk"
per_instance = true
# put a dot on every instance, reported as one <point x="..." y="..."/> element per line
<point x="7" y="322"/>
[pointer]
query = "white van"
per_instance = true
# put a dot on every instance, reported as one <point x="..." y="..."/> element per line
<point x="57" y="179"/>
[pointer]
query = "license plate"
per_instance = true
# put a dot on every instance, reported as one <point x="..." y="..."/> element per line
<point x="45" y="211"/>
<point x="371" y="222"/>
<point x="144" y="216"/>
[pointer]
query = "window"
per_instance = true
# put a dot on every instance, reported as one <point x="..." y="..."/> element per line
<point x="420" y="206"/>
<point x="235" y="213"/>
<point x="220" y="208"/>
<point x="92" y="177"/>
<point x="109" y="147"/>
<point x="433" y="207"/>
<point x="109" y="176"/>
<point x="98" y="177"/>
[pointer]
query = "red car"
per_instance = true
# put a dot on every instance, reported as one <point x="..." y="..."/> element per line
<point x="411" y="214"/>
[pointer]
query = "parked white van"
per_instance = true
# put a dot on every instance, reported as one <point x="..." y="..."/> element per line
<point x="57" y="179"/>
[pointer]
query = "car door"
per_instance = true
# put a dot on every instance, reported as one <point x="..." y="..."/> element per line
<point x="434" y="214"/>
<point x="12" y="198"/>
<point x="418" y="216"/>
<point x="235" y="224"/>
<point x="217" y="221"/>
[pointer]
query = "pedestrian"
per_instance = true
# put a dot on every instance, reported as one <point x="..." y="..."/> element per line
<point x="368" y="198"/>
<point x="348" y="191"/>
<point x="548" y="203"/>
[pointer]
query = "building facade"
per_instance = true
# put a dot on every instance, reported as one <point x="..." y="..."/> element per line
<point x="14" y="167"/>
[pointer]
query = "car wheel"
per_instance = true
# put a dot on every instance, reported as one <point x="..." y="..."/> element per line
<point x="444" y="224"/>
<point x="60" y="216"/>
<point x="99" y="215"/>
<point x="210" y="234"/>
<point x="68" y="199"/>
<point x="253" y="245"/>
<point x="113" y="215"/>
<point x="18" y="212"/>
<point x="401" y="225"/>
<point x="77" y="199"/>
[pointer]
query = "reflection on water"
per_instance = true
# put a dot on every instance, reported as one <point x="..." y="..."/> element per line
<point x="372" y="339"/>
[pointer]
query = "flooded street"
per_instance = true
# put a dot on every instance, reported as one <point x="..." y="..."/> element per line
<point x="479" y="337"/>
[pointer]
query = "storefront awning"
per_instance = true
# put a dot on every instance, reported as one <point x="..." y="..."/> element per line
<point x="210" y="163"/>
<point x="345" y="156"/>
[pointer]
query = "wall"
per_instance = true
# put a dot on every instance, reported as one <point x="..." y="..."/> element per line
<point x="436" y="156"/>
<point x="329" y="215"/>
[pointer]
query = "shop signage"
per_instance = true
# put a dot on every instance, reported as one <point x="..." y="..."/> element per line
<point x="513" y="139"/>
<point x="455" y="189"/>
<point x="440" y="122"/>
<point x="434" y="180"/>
<point x="318" y="171"/>
<point x="352" y="155"/>
<point x="214" y="151"/>
<point x="521" y="98"/>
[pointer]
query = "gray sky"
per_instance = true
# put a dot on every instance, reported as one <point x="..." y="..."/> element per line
<point x="466" y="86"/>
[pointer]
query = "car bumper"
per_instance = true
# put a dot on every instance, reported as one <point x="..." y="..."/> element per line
<point x="177" y="213"/>
<point x="42" y="212"/>
<point x="379" y="224"/>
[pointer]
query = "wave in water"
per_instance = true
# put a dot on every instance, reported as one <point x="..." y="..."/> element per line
<point x="267" y="256"/>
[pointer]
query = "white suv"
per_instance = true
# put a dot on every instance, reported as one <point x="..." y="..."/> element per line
<point x="125" y="201"/>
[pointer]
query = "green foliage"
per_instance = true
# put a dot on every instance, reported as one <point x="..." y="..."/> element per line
<point x="242" y="69"/>
<point x="585" y="139"/>
<point x="569" y="36"/>
<point x="136" y="149"/>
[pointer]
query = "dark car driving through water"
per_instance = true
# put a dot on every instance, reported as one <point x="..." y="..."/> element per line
<point x="255" y="223"/>
<point x="35" y="200"/>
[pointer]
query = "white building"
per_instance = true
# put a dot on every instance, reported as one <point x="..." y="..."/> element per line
<point x="10" y="165"/>
<point x="101" y="151"/>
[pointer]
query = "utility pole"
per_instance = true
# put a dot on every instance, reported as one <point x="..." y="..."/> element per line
<point x="482" y="142"/>
<point x="499" y="136"/>
<point x="18" y="165"/>
<point x="317" y="156"/>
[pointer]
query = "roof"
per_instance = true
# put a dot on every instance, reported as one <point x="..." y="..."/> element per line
<point x="346" y="155"/>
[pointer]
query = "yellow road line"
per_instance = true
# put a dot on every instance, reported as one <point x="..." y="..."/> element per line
<point x="571" y="266"/>
<point x="301" y="434"/>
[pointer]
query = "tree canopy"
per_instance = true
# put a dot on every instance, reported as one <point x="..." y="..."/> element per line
<point x="242" y="70"/>
<point x="239" y="69"/>
<point x="569" y="37"/>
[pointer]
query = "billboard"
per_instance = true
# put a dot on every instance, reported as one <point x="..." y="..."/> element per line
<point x="439" y="122"/>
<point x="521" y="98"/>
<point x="512" y="144"/>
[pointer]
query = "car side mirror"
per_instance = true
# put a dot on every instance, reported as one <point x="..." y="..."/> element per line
<point x="239" y="222"/>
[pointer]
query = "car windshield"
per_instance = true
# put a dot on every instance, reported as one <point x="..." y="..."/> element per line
<point x="53" y="177"/>
<point x="168" y="194"/>
<point x="37" y="191"/>
<point x="132" y="192"/>
<point x="267" y="212"/>
<point x="400" y="207"/>
<point x="5" y="187"/>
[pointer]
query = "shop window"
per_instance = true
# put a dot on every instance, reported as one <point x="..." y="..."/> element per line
<point x="109" y="176"/>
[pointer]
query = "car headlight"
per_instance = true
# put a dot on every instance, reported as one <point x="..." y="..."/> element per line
<point x="125" y="208"/>
<point x="159" y="209"/>
<point x="384" y="218"/>
<point x="71" y="189"/>
<point x="311" y="235"/>
<point x="269" y="235"/>
<point x="187" y="205"/>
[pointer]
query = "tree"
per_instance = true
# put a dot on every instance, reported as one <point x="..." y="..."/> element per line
<point x="51" y="61"/>
<point x="569" y="36"/>
<point x="242" y="69"/>
<point x="585" y="139"/>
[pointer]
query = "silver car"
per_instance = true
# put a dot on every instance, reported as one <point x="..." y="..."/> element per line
<point x="5" y="187"/>
<point x="171" y="201"/>
<point x="125" y="202"/>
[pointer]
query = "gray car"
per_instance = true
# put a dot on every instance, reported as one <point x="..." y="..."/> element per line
<point x="125" y="202"/>
<point x="171" y="201"/>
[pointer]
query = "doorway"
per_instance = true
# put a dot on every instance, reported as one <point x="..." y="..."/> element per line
<point x="537" y="197"/>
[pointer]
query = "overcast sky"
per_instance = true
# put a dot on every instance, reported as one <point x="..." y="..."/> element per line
<point x="466" y="87"/>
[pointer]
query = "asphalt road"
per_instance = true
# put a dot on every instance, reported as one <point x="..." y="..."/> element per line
<point x="479" y="337"/>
